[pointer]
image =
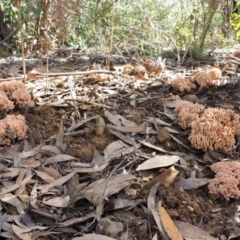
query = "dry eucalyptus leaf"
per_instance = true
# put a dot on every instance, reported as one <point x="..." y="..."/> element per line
<point x="155" y="237"/>
<point x="166" y="178"/>
<point x="105" y="187"/>
<point x="151" y="204"/>
<point x="168" y="225"/>
<point x="189" y="231"/>
<point x="59" y="158"/>
<point x="33" y="197"/>
<point x="118" y="120"/>
<point x="100" y="126"/>
<point x="159" y="121"/>
<point x="42" y="234"/>
<point x="13" y="200"/>
<point x="125" y="138"/>
<point x="157" y="148"/>
<point x="158" y="161"/>
<point x="128" y="129"/>
<point x="15" y="186"/>
<point x="50" y="150"/>
<point x="58" y="182"/>
<point x="74" y="221"/>
<point x="72" y="184"/>
<point x="93" y="236"/>
<point x="19" y="232"/>
<point x="163" y="135"/>
<point x="63" y="201"/>
<point x="192" y="183"/>
<point x="173" y="104"/>
<point x="44" y="176"/>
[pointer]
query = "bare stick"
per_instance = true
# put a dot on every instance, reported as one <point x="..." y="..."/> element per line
<point x="22" y="43"/>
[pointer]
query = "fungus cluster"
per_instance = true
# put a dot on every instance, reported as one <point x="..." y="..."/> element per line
<point x="181" y="84"/>
<point x="226" y="181"/>
<point x="211" y="129"/>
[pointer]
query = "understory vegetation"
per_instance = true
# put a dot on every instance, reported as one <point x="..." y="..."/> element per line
<point x="142" y="27"/>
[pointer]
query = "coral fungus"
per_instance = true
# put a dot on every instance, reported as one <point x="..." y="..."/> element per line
<point x="188" y="112"/>
<point x="13" y="94"/>
<point x="215" y="129"/>
<point x="5" y="103"/>
<point x="13" y="125"/>
<point x="227" y="180"/>
<point x="181" y="84"/>
<point x="171" y="97"/>
<point x="16" y="92"/>
<point x="207" y="78"/>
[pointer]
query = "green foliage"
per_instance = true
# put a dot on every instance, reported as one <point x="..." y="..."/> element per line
<point x="235" y="22"/>
<point x="142" y="27"/>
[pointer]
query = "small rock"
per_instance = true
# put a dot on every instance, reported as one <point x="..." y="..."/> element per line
<point x="197" y="210"/>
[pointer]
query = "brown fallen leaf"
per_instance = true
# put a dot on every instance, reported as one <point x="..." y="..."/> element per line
<point x="75" y="221"/>
<point x="192" y="232"/>
<point x="63" y="201"/>
<point x="59" y="158"/>
<point x="166" y="178"/>
<point x="44" y="176"/>
<point x="15" y="186"/>
<point x="19" y="232"/>
<point x="103" y="187"/>
<point x="58" y="182"/>
<point x="42" y="234"/>
<point x="168" y="225"/>
<point x="130" y="129"/>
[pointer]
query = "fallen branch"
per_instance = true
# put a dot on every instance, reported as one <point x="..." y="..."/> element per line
<point x="34" y="74"/>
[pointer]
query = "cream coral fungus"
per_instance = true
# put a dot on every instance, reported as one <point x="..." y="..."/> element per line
<point x="181" y="84"/>
<point x="227" y="180"/>
<point x="207" y="78"/>
<point x="171" y="97"/>
<point x="215" y="129"/>
<point x="188" y="112"/>
<point x="16" y="125"/>
<point x="16" y="92"/>
<point x="5" y="103"/>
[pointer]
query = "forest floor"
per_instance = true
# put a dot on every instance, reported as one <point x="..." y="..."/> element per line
<point x="105" y="154"/>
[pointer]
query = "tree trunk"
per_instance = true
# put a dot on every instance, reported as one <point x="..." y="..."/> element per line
<point x="4" y="29"/>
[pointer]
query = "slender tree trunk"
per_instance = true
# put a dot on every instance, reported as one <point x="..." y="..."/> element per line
<point x="4" y="29"/>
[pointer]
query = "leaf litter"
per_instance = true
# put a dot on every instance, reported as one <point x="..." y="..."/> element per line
<point x="105" y="158"/>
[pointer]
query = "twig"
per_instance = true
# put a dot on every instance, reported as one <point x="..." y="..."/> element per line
<point x="60" y="75"/>
<point x="22" y="42"/>
<point x="111" y="36"/>
<point x="93" y="103"/>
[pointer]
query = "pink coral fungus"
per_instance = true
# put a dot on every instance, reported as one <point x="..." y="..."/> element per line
<point x="207" y="78"/>
<point x="181" y="84"/>
<point x="215" y="129"/>
<point x="227" y="180"/>
<point x="13" y="125"/>
<point x="188" y="112"/>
